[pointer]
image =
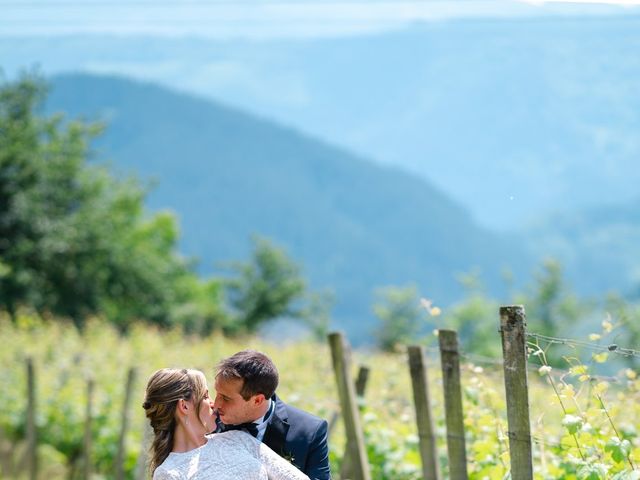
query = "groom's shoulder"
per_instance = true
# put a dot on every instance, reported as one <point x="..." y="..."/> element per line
<point x="298" y="416"/>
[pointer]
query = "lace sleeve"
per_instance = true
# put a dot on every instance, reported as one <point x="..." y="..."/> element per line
<point x="164" y="474"/>
<point x="277" y="467"/>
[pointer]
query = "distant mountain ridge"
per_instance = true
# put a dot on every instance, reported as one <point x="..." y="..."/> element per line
<point x="599" y="247"/>
<point x="353" y="224"/>
<point x="540" y="113"/>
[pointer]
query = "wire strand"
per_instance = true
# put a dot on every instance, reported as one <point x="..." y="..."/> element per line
<point x="611" y="348"/>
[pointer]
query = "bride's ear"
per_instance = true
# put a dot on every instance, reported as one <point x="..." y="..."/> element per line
<point x="182" y="407"/>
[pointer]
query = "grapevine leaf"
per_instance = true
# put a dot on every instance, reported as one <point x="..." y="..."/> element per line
<point x="572" y="423"/>
<point x="619" y="449"/>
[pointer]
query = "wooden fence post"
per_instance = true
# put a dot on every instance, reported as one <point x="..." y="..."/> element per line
<point x="350" y="413"/>
<point x="142" y="464"/>
<point x="450" y="361"/>
<point x="514" y="350"/>
<point x="32" y="437"/>
<point x="419" y="380"/>
<point x="361" y="387"/>
<point x="7" y="459"/>
<point x="86" y="467"/>
<point x="124" y="424"/>
<point x="361" y="381"/>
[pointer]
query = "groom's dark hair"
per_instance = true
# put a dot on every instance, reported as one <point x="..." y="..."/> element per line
<point x="255" y="369"/>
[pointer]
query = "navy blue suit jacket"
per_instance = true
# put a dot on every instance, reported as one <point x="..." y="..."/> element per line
<point x="300" y="437"/>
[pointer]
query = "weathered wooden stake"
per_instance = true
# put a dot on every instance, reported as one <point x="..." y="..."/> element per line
<point x="86" y="466"/>
<point x="32" y="437"/>
<point x="514" y="351"/>
<point x="450" y="360"/>
<point x="332" y="423"/>
<point x="6" y="456"/>
<point x="124" y="424"/>
<point x="361" y="385"/>
<point x="143" y="459"/>
<point x="419" y="380"/>
<point x="361" y="381"/>
<point x="348" y="404"/>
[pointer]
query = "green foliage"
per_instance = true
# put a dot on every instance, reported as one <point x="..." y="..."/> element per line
<point x="599" y="442"/>
<point x="317" y="314"/>
<point x="474" y="318"/>
<point x="76" y="240"/>
<point x="552" y="308"/>
<point x="572" y="423"/>
<point x="266" y="287"/>
<point x="592" y="471"/>
<point x="65" y="357"/>
<point x="605" y="439"/>
<point x="392" y="452"/>
<point x="619" y="449"/>
<point x="400" y="316"/>
<point x="200" y="306"/>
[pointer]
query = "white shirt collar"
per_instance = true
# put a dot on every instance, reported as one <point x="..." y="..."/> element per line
<point x="263" y="420"/>
<point x="263" y="423"/>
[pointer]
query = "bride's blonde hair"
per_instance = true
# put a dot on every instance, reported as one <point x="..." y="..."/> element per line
<point x="164" y="389"/>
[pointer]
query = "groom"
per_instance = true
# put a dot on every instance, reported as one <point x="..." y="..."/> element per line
<point x="245" y="386"/>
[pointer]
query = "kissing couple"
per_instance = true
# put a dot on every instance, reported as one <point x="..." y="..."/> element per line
<point x="244" y="433"/>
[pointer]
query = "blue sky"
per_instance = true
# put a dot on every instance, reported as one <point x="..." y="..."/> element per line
<point x="269" y="19"/>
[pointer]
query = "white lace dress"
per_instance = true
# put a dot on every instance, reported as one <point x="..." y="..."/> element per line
<point x="233" y="455"/>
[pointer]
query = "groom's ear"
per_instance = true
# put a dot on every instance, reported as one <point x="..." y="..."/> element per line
<point x="259" y="399"/>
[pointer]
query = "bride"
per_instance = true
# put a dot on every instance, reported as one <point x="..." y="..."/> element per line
<point x="181" y="414"/>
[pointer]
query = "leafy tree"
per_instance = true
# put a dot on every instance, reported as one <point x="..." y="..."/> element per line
<point x="475" y="318"/>
<point x="400" y="315"/>
<point x="476" y="321"/>
<point x="75" y="240"/>
<point x="552" y="309"/>
<point x="550" y="305"/>
<point x="266" y="287"/>
<point x="200" y="305"/>
<point x="317" y="313"/>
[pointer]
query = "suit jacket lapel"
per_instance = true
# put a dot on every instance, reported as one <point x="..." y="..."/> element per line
<point x="276" y="434"/>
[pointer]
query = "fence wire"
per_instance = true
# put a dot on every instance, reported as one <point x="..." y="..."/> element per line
<point x="611" y="348"/>
<point x="434" y="354"/>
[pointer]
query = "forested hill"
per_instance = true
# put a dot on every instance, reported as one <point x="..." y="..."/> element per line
<point x="353" y="224"/>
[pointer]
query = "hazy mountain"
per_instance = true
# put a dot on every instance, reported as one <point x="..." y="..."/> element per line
<point x="599" y="247"/>
<point x="540" y="114"/>
<point x="354" y="225"/>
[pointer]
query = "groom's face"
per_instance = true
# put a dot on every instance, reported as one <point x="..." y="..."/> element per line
<point x="231" y="407"/>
